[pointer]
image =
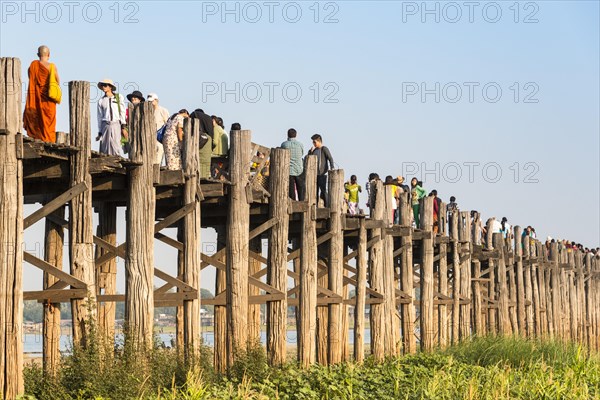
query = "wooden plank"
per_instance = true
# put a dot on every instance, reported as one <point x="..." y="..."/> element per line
<point x="55" y="204"/>
<point x="52" y="270"/>
<point x="55" y="296"/>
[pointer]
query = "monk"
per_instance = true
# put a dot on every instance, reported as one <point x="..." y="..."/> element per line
<point x="39" y="118"/>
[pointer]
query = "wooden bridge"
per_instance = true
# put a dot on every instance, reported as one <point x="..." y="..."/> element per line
<point x="420" y="288"/>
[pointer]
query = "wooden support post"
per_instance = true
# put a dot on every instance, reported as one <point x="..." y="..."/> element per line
<point x="254" y="266"/>
<point x="523" y="284"/>
<point x="220" y="329"/>
<point x="443" y="280"/>
<point x="555" y="290"/>
<point x="590" y="305"/>
<point x="455" y="277"/>
<point x="336" y="263"/>
<point x="106" y="273"/>
<point x="141" y="205"/>
<point x="512" y="287"/>
<point x="179" y="315"/>
<point x="407" y="281"/>
<point x="572" y="296"/>
<point x="192" y="334"/>
<point x="492" y="295"/>
<point x="465" y="275"/>
<point x="478" y="320"/>
<point x="503" y="312"/>
<point x="81" y="231"/>
<point x="11" y="231"/>
<point x="537" y="305"/>
<point x="427" y="285"/>
<point x="308" y="269"/>
<point x="53" y="254"/>
<point x="238" y="227"/>
<point x="361" y="286"/>
<point x="377" y="275"/>
<point x="322" y="309"/>
<point x="277" y="258"/>
<point x="580" y="287"/>
<point x="545" y="309"/>
<point x="392" y="324"/>
<point x="345" y="329"/>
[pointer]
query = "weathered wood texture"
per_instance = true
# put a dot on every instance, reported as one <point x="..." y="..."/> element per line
<point x="220" y="335"/>
<point x="503" y="312"/>
<point x="361" y="286"/>
<point x="238" y="222"/>
<point x="427" y="283"/>
<point x="139" y="261"/>
<point x="53" y="254"/>
<point x="192" y="335"/>
<point x="392" y="323"/>
<point x="308" y="269"/>
<point x="81" y="230"/>
<point x="336" y="263"/>
<point x="377" y="274"/>
<point x="106" y="273"/>
<point x="11" y="231"/>
<point x="408" y="312"/>
<point x="277" y="257"/>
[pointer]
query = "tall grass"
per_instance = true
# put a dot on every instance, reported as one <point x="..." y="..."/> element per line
<point x="485" y="368"/>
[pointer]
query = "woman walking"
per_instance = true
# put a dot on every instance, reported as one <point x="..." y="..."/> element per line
<point x="173" y="138"/>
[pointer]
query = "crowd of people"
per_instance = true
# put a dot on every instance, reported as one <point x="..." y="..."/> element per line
<point x="39" y="120"/>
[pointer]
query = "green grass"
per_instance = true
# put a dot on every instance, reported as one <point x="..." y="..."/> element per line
<point x="485" y="368"/>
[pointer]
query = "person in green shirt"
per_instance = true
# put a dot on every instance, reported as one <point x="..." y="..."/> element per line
<point x="352" y="191"/>
<point x="416" y="194"/>
<point x="220" y="140"/>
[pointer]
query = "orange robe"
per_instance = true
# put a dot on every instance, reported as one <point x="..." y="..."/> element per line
<point x="39" y="118"/>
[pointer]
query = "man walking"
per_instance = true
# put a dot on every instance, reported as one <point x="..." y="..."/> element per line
<point x="296" y="166"/>
<point x="324" y="164"/>
<point x="111" y="119"/>
<point x="39" y="118"/>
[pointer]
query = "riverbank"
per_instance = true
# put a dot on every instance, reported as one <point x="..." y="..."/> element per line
<point x="482" y="369"/>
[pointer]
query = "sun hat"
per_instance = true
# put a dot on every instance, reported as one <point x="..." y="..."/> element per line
<point x="152" y="97"/>
<point x="137" y="94"/>
<point x="107" y="81"/>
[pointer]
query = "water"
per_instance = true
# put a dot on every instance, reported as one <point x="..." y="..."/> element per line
<point x="32" y="342"/>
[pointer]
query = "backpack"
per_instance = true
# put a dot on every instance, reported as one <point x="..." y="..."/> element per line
<point x="160" y="133"/>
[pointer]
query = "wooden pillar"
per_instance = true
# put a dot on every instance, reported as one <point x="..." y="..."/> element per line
<point x="512" y="286"/>
<point x="377" y="275"/>
<point x="53" y="254"/>
<point x="455" y="277"/>
<point x="492" y="266"/>
<point x="345" y="329"/>
<point x="545" y="305"/>
<point x="590" y="305"/>
<point x="179" y="314"/>
<point x="277" y="258"/>
<point x="427" y="284"/>
<point x="536" y="305"/>
<point x="555" y="290"/>
<point x="361" y="287"/>
<point x="11" y="230"/>
<point x="407" y="282"/>
<point x="580" y="288"/>
<point x="572" y="294"/>
<point x="336" y="263"/>
<point x="443" y="279"/>
<point x="238" y="227"/>
<point x="523" y="284"/>
<point x="81" y="230"/>
<point x="254" y="266"/>
<point x="392" y="326"/>
<point x="220" y="330"/>
<point x="503" y="312"/>
<point x="192" y="334"/>
<point x="308" y="268"/>
<point x="465" y="275"/>
<point x="478" y="320"/>
<point x="141" y="205"/>
<point x="106" y="273"/>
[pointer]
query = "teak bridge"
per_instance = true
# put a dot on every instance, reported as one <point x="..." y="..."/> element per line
<point x="421" y="289"/>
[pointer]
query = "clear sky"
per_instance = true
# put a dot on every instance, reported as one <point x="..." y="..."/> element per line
<point x="496" y="103"/>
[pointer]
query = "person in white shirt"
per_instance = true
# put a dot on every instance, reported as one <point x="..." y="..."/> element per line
<point x="161" y="115"/>
<point x="111" y="119"/>
<point x="496" y="226"/>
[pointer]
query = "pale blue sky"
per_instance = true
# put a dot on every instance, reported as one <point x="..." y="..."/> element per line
<point x="367" y="62"/>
